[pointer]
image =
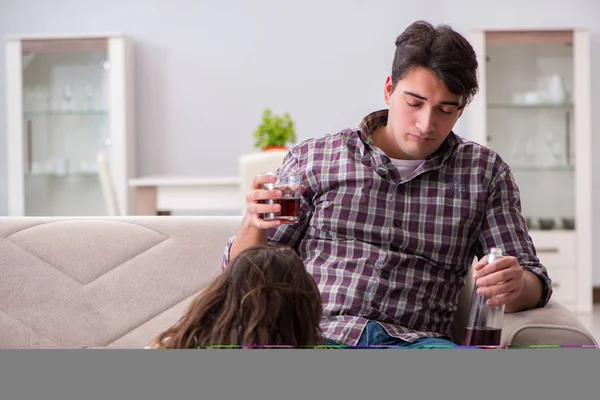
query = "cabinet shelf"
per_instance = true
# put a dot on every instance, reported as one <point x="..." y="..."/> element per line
<point x="552" y="168"/>
<point x="58" y="113"/>
<point x="49" y="175"/>
<point x="536" y="106"/>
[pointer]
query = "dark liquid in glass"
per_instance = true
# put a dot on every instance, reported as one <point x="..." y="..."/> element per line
<point x="482" y="337"/>
<point x="289" y="210"/>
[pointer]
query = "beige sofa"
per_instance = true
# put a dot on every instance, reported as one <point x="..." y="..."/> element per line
<point x="117" y="282"/>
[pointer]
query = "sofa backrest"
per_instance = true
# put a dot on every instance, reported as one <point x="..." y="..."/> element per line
<point x="102" y="282"/>
<point x="116" y="282"/>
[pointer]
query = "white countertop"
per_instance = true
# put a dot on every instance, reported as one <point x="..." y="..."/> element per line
<point x="182" y="180"/>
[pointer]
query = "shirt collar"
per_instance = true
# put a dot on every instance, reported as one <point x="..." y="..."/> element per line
<point x="379" y="118"/>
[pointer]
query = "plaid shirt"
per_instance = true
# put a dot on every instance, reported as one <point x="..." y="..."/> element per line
<point x="396" y="249"/>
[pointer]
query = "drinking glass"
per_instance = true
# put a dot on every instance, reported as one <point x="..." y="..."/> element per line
<point x="289" y="184"/>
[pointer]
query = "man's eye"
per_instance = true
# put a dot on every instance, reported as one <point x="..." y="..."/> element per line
<point x="413" y="104"/>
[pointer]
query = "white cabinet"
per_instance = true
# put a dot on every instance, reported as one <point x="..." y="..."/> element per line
<point x="68" y="100"/>
<point x="534" y="110"/>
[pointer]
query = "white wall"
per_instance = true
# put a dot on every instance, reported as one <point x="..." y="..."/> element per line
<point x="206" y="68"/>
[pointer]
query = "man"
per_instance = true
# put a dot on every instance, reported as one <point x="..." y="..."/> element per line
<point x="394" y="212"/>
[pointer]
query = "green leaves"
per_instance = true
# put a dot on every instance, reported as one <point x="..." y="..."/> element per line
<point x="274" y="130"/>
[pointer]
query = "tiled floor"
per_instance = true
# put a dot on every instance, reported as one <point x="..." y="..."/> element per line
<point x="592" y="322"/>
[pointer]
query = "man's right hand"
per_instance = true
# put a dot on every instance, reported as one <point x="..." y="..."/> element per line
<point x="254" y="203"/>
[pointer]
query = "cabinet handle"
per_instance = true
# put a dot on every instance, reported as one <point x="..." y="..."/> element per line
<point x="547" y="250"/>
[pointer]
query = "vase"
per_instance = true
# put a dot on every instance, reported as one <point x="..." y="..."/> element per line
<point x="269" y="148"/>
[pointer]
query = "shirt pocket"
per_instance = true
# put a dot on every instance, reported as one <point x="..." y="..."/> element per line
<point x="452" y="209"/>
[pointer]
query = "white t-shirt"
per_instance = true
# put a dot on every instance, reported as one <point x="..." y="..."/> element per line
<point x="406" y="167"/>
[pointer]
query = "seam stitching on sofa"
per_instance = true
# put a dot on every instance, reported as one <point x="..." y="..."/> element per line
<point x="141" y="226"/>
<point x="29" y="227"/>
<point x="29" y="327"/>
<point x="84" y="219"/>
<point x="45" y="262"/>
<point x="154" y="316"/>
<point x="137" y="255"/>
<point x="96" y="278"/>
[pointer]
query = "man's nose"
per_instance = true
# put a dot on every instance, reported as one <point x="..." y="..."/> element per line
<point x="426" y="121"/>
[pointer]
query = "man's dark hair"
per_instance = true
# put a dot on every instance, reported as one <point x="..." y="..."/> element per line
<point x="441" y="50"/>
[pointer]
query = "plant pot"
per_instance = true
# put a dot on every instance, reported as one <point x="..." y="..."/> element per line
<point x="269" y="148"/>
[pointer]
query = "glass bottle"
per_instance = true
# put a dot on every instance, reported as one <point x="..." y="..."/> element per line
<point x="484" y="326"/>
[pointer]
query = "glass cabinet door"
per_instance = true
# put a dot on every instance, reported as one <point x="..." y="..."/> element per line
<point x="529" y="108"/>
<point x="65" y="89"/>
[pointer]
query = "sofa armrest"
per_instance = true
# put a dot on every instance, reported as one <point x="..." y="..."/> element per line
<point x="551" y="325"/>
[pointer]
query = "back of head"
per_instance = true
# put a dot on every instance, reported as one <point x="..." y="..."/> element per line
<point x="443" y="51"/>
<point x="264" y="297"/>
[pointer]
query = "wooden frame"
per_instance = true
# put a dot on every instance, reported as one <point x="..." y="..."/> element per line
<point x="529" y="37"/>
<point x="38" y="46"/>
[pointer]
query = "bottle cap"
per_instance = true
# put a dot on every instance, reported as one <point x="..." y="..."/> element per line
<point x="495" y="253"/>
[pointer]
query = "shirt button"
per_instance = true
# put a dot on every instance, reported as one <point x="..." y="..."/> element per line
<point x="397" y="222"/>
<point x="385" y="275"/>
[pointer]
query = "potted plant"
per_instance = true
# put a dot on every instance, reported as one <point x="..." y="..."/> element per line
<point x="274" y="132"/>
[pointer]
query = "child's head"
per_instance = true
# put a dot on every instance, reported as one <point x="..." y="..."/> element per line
<point x="264" y="297"/>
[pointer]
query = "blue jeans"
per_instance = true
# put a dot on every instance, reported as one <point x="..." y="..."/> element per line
<point x="375" y="336"/>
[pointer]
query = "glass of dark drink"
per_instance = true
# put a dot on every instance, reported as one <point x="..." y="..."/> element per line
<point x="289" y="184"/>
<point x="484" y="327"/>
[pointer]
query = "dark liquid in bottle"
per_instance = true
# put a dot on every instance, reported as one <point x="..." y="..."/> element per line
<point x="482" y="337"/>
<point x="289" y="210"/>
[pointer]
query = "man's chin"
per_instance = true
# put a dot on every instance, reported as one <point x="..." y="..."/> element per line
<point x="416" y="154"/>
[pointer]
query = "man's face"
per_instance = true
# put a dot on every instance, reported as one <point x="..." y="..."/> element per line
<point x="422" y="112"/>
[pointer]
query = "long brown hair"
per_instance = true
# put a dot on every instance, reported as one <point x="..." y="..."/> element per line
<point x="264" y="297"/>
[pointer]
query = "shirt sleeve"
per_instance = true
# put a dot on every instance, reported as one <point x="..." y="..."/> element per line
<point x="286" y="234"/>
<point x="504" y="227"/>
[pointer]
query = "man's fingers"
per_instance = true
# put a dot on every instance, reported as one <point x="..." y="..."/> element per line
<point x="502" y="299"/>
<point x="499" y="276"/>
<point x="260" y="180"/>
<point x="262" y="224"/>
<point x="263" y="194"/>
<point x="480" y="264"/>
<point x="498" y="265"/>
<point x="259" y="208"/>
<point x="496" y="290"/>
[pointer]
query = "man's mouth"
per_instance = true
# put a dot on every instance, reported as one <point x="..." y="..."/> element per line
<point x="420" y="139"/>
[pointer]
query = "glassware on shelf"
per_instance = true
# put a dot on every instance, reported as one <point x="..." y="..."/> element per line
<point x="67" y="93"/>
<point x="568" y="223"/>
<point x="88" y="168"/>
<point x="61" y="166"/>
<point x="89" y="97"/>
<point x="555" y="90"/>
<point x="530" y="155"/>
<point x="546" y="224"/>
<point x="556" y="150"/>
<point x="516" y="154"/>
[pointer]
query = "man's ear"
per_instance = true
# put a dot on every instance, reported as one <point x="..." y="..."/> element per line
<point x="388" y="88"/>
